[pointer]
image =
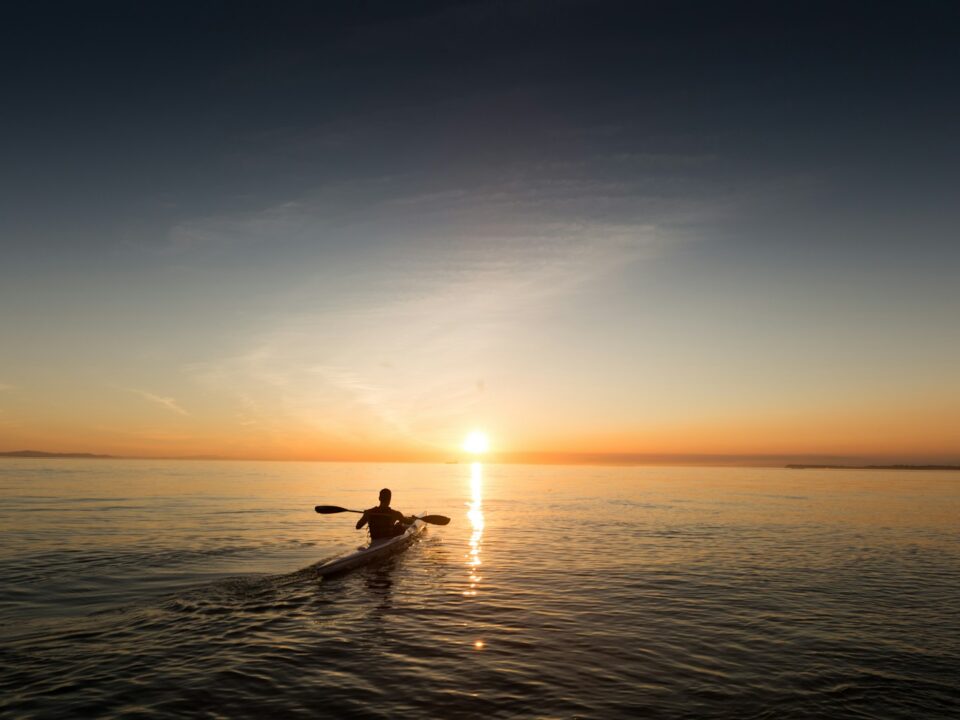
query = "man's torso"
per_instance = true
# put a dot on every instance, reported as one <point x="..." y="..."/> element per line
<point x="382" y="521"/>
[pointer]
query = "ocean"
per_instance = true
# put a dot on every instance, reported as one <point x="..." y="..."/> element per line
<point x="162" y="589"/>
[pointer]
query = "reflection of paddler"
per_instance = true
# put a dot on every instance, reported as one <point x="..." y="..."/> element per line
<point x="384" y="521"/>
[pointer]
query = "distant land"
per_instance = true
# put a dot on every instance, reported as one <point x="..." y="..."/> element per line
<point x="624" y="459"/>
<point x="39" y="454"/>
<point x="93" y="456"/>
<point x="873" y="467"/>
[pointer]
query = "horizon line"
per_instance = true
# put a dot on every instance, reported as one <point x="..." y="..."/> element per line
<point x="546" y="458"/>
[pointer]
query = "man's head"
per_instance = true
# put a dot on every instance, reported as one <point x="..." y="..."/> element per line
<point x="385" y="496"/>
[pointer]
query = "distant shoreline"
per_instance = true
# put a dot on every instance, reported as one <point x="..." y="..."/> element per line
<point x="872" y="467"/>
<point x="593" y="460"/>
<point x="47" y="455"/>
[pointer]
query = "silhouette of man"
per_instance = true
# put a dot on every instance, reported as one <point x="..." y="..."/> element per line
<point x="384" y="521"/>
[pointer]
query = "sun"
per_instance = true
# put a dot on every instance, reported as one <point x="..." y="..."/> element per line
<point x="476" y="442"/>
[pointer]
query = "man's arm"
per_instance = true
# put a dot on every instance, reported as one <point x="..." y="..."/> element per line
<point x="362" y="521"/>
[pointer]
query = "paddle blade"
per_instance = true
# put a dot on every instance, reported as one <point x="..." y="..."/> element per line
<point x="436" y="519"/>
<point x="330" y="509"/>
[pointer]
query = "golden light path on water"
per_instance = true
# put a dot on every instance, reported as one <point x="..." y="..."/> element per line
<point x="475" y="516"/>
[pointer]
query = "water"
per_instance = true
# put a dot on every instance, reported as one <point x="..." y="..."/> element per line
<point x="166" y="589"/>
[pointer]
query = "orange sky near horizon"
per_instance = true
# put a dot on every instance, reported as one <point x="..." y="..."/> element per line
<point x="408" y="380"/>
<point x="922" y="433"/>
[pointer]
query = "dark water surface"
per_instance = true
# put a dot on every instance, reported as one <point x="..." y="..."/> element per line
<point x="172" y="589"/>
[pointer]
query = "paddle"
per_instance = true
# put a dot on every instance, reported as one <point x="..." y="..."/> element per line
<point x="331" y="509"/>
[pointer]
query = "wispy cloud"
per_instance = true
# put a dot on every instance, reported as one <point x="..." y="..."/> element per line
<point x="4" y="387"/>
<point x="408" y="297"/>
<point x="366" y="393"/>
<point x="166" y="402"/>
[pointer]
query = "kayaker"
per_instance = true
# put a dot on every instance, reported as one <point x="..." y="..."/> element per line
<point x="384" y="521"/>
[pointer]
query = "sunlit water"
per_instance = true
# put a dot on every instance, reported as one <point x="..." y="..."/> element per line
<point x="171" y="589"/>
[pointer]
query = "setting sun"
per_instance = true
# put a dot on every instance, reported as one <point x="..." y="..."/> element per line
<point x="476" y="442"/>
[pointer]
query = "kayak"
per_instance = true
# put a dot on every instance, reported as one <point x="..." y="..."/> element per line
<point x="375" y="550"/>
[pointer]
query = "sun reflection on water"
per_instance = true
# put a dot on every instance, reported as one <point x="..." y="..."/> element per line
<point x="475" y="516"/>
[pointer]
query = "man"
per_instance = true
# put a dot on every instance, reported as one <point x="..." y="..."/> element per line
<point x="385" y="522"/>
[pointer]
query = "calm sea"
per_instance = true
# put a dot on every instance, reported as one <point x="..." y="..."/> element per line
<point x="172" y="589"/>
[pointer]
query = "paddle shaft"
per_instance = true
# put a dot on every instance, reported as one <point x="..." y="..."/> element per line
<point x="331" y="509"/>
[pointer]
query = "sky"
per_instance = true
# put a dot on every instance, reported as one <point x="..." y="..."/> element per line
<point x="360" y="230"/>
